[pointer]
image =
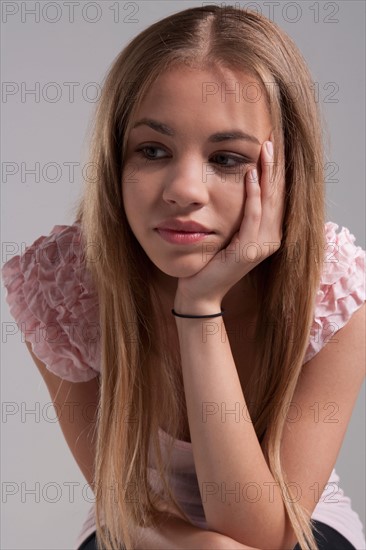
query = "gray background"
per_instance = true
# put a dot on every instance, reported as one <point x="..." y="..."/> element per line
<point x="35" y="456"/>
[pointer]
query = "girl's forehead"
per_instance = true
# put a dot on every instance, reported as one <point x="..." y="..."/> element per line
<point x="184" y="114"/>
<point x="182" y="91"/>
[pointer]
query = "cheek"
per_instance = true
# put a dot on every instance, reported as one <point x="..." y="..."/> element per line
<point x="237" y="195"/>
<point x="130" y="205"/>
<point x="134" y="209"/>
<point x="231" y="209"/>
<point x="130" y="187"/>
<point x="236" y="203"/>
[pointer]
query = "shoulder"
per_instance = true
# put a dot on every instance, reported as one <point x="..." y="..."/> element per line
<point x="51" y="296"/>
<point x="342" y="286"/>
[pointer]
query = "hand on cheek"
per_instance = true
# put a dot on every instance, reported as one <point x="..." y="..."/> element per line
<point x="261" y="224"/>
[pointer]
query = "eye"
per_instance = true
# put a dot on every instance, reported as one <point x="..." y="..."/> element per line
<point x="142" y="152"/>
<point x="237" y="161"/>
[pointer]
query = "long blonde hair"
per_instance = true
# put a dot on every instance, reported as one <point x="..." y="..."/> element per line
<point x="140" y="378"/>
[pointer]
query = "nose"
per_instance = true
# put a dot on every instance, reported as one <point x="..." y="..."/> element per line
<point x="185" y="184"/>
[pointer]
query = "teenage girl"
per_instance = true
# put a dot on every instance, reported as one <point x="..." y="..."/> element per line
<point x="229" y="313"/>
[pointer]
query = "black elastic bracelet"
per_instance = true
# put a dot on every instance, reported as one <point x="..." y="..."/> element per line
<point x="197" y="316"/>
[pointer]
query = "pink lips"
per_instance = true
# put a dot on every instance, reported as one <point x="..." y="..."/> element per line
<point x="187" y="226"/>
<point x="180" y="237"/>
<point x="179" y="231"/>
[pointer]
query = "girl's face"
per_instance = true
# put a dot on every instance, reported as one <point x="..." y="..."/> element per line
<point x="177" y="166"/>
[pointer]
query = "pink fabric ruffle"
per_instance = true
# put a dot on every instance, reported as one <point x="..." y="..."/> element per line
<point x="54" y="303"/>
<point x="342" y="289"/>
<point x="52" y="299"/>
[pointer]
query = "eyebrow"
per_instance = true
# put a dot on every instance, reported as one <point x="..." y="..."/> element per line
<point x="214" y="138"/>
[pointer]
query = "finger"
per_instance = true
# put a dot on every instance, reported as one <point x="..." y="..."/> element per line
<point x="273" y="192"/>
<point x="268" y="181"/>
<point x="249" y="228"/>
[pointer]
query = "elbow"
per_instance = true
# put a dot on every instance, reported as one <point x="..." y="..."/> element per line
<point x="268" y="539"/>
<point x="271" y="530"/>
<point x="272" y="537"/>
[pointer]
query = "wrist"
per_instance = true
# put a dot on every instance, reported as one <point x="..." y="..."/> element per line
<point x="185" y="307"/>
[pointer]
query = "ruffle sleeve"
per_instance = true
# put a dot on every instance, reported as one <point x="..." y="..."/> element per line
<point x="342" y="288"/>
<point x="55" y="305"/>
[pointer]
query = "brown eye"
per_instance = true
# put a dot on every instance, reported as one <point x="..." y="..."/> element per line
<point x="237" y="161"/>
<point x="142" y="151"/>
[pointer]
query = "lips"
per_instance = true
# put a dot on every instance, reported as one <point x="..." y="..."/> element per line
<point x="184" y="226"/>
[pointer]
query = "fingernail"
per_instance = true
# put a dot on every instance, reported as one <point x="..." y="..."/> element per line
<point x="254" y="174"/>
<point x="269" y="146"/>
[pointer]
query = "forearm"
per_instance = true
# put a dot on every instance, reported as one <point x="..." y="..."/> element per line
<point x="239" y="494"/>
<point x="176" y="534"/>
<point x="170" y="534"/>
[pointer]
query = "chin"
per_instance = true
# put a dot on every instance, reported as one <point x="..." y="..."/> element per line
<point x="179" y="269"/>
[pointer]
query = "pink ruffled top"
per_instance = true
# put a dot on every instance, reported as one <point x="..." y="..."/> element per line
<point x="52" y="299"/>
